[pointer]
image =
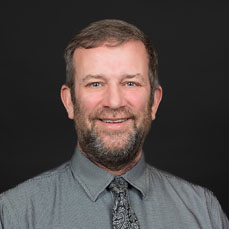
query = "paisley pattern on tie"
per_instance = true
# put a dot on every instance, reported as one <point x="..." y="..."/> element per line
<point x="123" y="216"/>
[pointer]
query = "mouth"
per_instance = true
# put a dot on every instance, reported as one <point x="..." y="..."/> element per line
<point x="121" y="120"/>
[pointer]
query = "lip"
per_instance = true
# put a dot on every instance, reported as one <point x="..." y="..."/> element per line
<point x="114" y="126"/>
<point x="114" y="119"/>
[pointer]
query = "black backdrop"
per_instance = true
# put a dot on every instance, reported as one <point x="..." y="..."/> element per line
<point x="189" y="137"/>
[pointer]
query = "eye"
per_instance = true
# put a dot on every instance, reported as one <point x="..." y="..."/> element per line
<point x="130" y="84"/>
<point x="94" y="84"/>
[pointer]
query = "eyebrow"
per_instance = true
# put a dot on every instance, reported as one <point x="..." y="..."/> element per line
<point x="88" y="77"/>
<point x="138" y="75"/>
<point x="124" y="76"/>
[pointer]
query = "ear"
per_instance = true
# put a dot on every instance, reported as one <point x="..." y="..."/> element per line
<point x="157" y="99"/>
<point x="67" y="101"/>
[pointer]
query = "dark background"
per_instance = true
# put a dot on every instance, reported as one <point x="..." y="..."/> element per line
<point x="189" y="137"/>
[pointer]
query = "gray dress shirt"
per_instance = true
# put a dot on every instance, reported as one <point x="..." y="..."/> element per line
<point x="75" y="196"/>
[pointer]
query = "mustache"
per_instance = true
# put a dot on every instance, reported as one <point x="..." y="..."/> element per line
<point x="108" y="112"/>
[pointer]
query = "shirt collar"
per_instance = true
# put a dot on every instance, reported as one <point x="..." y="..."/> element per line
<point x="137" y="176"/>
<point x="95" y="179"/>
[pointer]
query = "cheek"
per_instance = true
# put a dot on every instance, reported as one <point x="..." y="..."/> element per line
<point x="88" y="102"/>
<point x="138" y="100"/>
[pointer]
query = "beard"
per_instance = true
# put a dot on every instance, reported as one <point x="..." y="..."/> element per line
<point x="113" y="149"/>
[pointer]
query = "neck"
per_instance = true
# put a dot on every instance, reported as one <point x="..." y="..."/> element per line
<point x="120" y="172"/>
<point x="125" y="168"/>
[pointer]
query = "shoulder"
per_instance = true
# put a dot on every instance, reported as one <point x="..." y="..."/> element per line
<point x="177" y="186"/>
<point x="33" y="192"/>
<point x="178" y="193"/>
<point x="38" y="183"/>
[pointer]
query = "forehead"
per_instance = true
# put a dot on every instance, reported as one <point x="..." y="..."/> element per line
<point x="128" y="58"/>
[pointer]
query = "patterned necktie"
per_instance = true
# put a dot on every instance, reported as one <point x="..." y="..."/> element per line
<point x="122" y="215"/>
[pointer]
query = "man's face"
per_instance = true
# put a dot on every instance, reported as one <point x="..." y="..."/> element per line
<point x="112" y="113"/>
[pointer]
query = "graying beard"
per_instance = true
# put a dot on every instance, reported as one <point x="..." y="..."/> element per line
<point x="115" y="159"/>
<point x="128" y="142"/>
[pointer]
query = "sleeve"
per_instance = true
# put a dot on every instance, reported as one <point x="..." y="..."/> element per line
<point x="218" y="218"/>
<point x="6" y="212"/>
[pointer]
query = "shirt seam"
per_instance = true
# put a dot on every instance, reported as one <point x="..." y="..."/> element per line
<point x="213" y="202"/>
<point x="12" y="210"/>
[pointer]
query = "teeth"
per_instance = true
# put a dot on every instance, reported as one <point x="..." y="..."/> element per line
<point x="114" y="121"/>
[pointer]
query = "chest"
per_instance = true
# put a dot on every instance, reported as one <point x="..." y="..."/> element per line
<point x="78" y="211"/>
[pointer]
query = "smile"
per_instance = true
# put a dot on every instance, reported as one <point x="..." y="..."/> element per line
<point x="114" y="121"/>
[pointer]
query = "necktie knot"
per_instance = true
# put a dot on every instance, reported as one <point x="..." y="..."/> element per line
<point x="118" y="185"/>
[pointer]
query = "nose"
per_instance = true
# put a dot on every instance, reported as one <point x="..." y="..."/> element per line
<point x="114" y="97"/>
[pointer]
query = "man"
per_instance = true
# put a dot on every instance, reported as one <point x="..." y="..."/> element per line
<point x="112" y="93"/>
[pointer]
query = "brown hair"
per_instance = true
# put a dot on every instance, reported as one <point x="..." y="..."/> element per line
<point x="115" y="32"/>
